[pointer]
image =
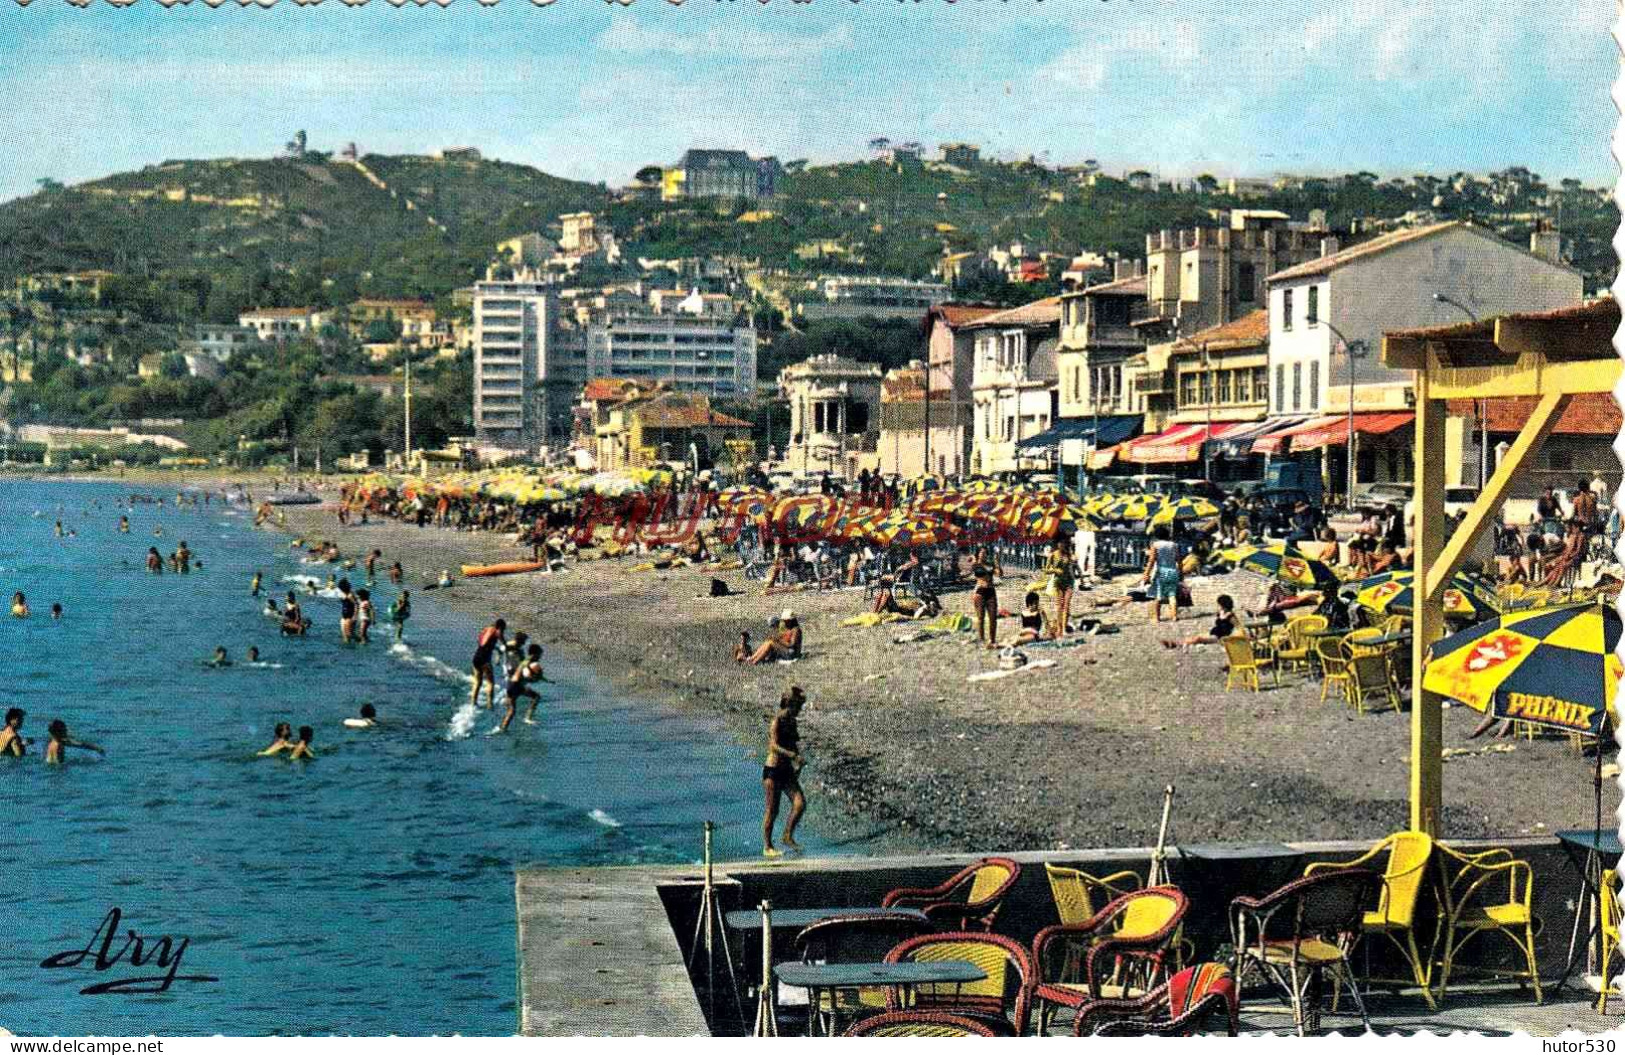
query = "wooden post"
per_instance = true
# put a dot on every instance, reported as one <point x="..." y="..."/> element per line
<point x="1426" y="707"/>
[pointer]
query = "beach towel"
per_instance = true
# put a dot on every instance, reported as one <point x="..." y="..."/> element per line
<point x="994" y="675"/>
<point x="872" y="619"/>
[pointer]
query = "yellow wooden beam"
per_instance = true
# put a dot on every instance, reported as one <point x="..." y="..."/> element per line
<point x="1530" y="376"/>
<point x="1427" y="769"/>
<point x="1535" y="429"/>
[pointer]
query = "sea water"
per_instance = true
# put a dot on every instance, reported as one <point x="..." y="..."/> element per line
<point x="369" y="891"/>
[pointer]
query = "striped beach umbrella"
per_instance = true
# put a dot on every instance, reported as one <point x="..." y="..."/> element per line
<point x="1552" y="666"/>
<point x="1394" y="592"/>
<point x="1289" y="565"/>
<point x="1133" y="507"/>
<point x="1185" y="509"/>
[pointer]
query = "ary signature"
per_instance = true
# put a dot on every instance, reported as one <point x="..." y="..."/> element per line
<point x="165" y="954"/>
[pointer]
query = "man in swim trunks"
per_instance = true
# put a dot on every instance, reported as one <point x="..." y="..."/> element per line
<point x="485" y="647"/>
<point x="11" y="734"/>
<point x="781" y="775"/>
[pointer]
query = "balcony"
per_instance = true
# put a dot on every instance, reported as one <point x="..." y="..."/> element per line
<point x="1158" y="384"/>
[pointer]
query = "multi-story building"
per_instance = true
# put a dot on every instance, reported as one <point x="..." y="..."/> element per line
<point x="1013" y="384"/>
<point x="644" y="425"/>
<point x="1429" y="276"/>
<point x="901" y="449"/>
<point x="1205" y="276"/>
<point x="874" y="297"/>
<point x="694" y="345"/>
<point x="280" y="324"/>
<point x="963" y="155"/>
<point x="515" y="382"/>
<point x="719" y="174"/>
<point x="416" y="317"/>
<point x="1097" y="339"/>
<point x="950" y="356"/>
<point x="834" y="413"/>
<point x="221" y="341"/>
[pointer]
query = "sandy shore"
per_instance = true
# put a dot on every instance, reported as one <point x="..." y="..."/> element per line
<point x="902" y="746"/>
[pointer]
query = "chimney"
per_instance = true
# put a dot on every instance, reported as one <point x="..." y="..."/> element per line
<point x="1547" y="243"/>
<point x="1329" y="246"/>
<point x="1122" y="268"/>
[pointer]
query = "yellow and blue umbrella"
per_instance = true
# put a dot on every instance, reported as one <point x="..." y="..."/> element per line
<point x="1552" y="666"/>
<point x="1394" y="592"/>
<point x="1289" y="565"/>
<point x="1190" y="508"/>
<point x="1133" y="507"/>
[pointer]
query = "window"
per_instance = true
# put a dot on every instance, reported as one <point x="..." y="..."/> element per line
<point x="1207" y="387"/>
<point x="1246" y="282"/>
<point x="1187" y="390"/>
<point x="1077" y="384"/>
<point x="1280" y="387"/>
<point x="1111" y="311"/>
<point x="1286" y="309"/>
<point x="1261" y="384"/>
<point x="1297" y="386"/>
<point x="1224" y="386"/>
<point x="1313" y="307"/>
<point x="1314" y="382"/>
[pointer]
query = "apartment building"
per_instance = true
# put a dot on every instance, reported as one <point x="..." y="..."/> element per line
<point x="873" y="297"/>
<point x="513" y="368"/>
<point x="1013" y="385"/>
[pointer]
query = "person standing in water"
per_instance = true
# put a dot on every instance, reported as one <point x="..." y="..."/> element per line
<point x="485" y="647"/>
<point x="370" y="563"/>
<point x="347" y="612"/>
<point x="155" y="560"/>
<point x="60" y="741"/>
<point x="400" y="612"/>
<point x="396" y="574"/>
<point x="781" y="775"/>
<point x="12" y="743"/>
<point x="19" y="605"/>
<point x="302" y="748"/>
<point x="254" y="587"/>
<point x="519" y="679"/>
<point x="123" y="525"/>
<point x="281" y="740"/>
<point x="363" y="612"/>
<point x="183" y="559"/>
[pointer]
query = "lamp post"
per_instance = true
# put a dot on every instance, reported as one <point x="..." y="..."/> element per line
<point x="1352" y="350"/>
<point x="1480" y="405"/>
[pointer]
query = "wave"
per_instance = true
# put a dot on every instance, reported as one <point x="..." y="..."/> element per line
<point x="603" y="818"/>
<point x="461" y="726"/>
<point x="302" y="579"/>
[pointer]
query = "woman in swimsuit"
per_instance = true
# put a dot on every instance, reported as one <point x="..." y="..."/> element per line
<point x="518" y="685"/>
<point x="984" y="598"/>
<point x="1059" y="566"/>
<point x="781" y="775"/>
<point x="293" y="619"/>
<point x="485" y="647"/>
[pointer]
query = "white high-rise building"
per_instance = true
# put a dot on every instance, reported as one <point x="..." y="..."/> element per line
<point x="511" y="323"/>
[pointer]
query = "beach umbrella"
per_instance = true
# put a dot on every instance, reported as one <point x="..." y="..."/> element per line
<point x="910" y="530"/>
<point x="1133" y="507"/>
<point x="916" y="485"/>
<point x="1185" y="509"/>
<point x="982" y="485"/>
<point x="1289" y="565"/>
<point x="1551" y="666"/>
<point x="1394" y="591"/>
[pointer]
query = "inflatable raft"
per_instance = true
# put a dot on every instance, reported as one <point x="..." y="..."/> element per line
<point x="475" y="571"/>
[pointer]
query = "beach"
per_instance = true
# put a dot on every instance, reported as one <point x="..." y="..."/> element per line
<point x="905" y="751"/>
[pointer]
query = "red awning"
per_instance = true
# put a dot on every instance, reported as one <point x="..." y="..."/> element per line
<point x="1274" y="442"/>
<point x="1181" y="443"/>
<point x="1336" y="431"/>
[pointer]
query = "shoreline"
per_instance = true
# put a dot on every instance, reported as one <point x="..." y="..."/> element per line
<point x="917" y="758"/>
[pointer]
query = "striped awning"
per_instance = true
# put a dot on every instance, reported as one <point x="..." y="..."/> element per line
<point x="1274" y="441"/>
<point x="1181" y="443"/>
<point x="1337" y="432"/>
<point x="1237" y="440"/>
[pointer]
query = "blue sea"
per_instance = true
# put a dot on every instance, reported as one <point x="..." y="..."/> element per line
<point x="369" y="891"/>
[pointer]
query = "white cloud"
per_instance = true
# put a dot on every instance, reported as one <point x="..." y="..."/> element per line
<point x="628" y="37"/>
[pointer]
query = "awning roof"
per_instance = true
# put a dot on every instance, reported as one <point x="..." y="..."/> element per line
<point x="1274" y="441"/>
<point x="1330" y="430"/>
<point x="1182" y="443"/>
<point x="1113" y="429"/>
<point x="1236" y="441"/>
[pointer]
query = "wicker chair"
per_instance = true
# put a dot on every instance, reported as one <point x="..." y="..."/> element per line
<point x="1297" y="647"/>
<point x="1123" y="950"/>
<point x="1403" y="876"/>
<point x="1371" y="675"/>
<point x="1074" y="890"/>
<point x="1003" y="999"/>
<point x="1471" y="908"/>
<point x="921" y="1024"/>
<point x="1301" y="933"/>
<point x="1244" y="661"/>
<point x="969" y="900"/>
<point x="1334" y="668"/>
<point x="1179" y="1007"/>
<point x="855" y="939"/>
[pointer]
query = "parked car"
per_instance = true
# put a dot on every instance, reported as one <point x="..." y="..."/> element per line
<point x="1372" y="497"/>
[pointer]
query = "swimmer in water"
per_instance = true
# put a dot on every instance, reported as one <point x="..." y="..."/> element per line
<point x="158" y="532"/>
<point x="371" y="562"/>
<point x="293" y="619"/>
<point x="254" y="587"/>
<point x="253" y="654"/>
<point x="281" y="740"/>
<point x="123" y="525"/>
<point x="363" y="615"/>
<point x="271" y="609"/>
<point x="445" y="578"/>
<point x="59" y="529"/>
<point x="19" y="605"/>
<point x="302" y="748"/>
<point x="60" y="741"/>
<point x="12" y="743"/>
<point x="56" y="611"/>
<point x="183" y="558"/>
<point x="220" y="658"/>
<point x="155" y="561"/>
<point x="368" y="719"/>
<point x="396" y="574"/>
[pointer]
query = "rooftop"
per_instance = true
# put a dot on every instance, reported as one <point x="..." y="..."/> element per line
<point x="957" y="315"/>
<point x="1394" y="239"/>
<point x="1251" y="329"/>
<point x="1134" y="285"/>
<point x="1044" y="312"/>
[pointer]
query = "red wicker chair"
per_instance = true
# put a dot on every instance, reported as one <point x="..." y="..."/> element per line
<point x="970" y="900"/>
<point x="1120" y="952"/>
<point x="920" y="1024"/>
<point x="1003" y="999"/>
<point x="1179" y="1007"/>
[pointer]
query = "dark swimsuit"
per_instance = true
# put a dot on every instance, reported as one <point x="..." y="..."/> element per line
<point x="783" y="772"/>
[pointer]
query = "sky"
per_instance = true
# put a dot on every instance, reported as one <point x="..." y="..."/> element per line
<point x="593" y="90"/>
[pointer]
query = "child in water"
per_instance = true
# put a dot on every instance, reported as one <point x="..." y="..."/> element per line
<point x="56" y="611"/>
<point x="364" y="614"/>
<point x="60" y="741"/>
<point x="400" y="612"/>
<point x="220" y="658"/>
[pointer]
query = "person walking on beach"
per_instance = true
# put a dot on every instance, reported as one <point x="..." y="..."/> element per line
<point x="781" y="775"/>
<point x="485" y="648"/>
<point x="1162" y="573"/>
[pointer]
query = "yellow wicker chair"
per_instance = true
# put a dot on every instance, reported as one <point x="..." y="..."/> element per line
<point x="1334" y="668"/>
<point x="1296" y="648"/>
<point x="1469" y="908"/>
<point x="1244" y="663"/>
<point x="1074" y="891"/>
<point x="1395" y="915"/>
<point x="1610" y="934"/>
<point x="1371" y="675"/>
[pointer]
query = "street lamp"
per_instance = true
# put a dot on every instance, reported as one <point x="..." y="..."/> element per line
<point x="1352" y="350"/>
<point x="1480" y="405"/>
